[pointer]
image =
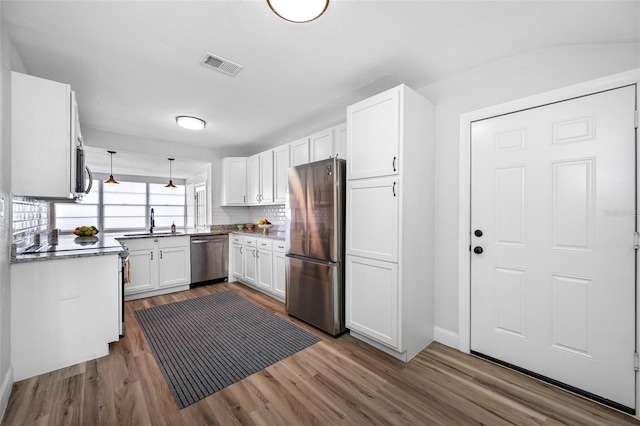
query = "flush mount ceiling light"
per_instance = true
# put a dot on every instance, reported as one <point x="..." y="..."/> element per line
<point x="192" y="123"/>
<point x="170" y="185"/>
<point x="298" y="10"/>
<point x="111" y="180"/>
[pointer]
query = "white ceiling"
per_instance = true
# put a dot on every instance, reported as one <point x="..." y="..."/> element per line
<point x="135" y="64"/>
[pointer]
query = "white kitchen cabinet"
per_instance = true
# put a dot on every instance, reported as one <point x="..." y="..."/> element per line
<point x="390" y="222"/>
<point x="175" y="261"/>
<point x="340" y="142"/>
<point x="250" y="271"/>
<point x="280" y="180"/>
<point x="321" y="145"/>
<point x="259" y="263"/>
<point x="299" y="152"/>
<point x="260" y="178"/>
<point x="373" y="135"/>
<point x="63" y="312"/>
<point x="371" y="305"/>
<point x="264" y="264"/>
<point x="158" y="265"/>
<point x="234" y="181"/>
<point x="372" y="215"/>
<point x="43" y="121"/>
<point x="279" y="270"/>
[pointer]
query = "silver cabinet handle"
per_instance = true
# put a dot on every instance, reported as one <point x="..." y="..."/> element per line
<point x="160" y="254"/>
<point x="244" y="198"/>
<point x="394" y="164"/>
<point x="394" y="189"/>
<point x="258" y="254"/>
<point x="254" y="252"/>
<point x="258" y="197"/>
<point x="240" y="249"/>
<point x="151" y="255"/>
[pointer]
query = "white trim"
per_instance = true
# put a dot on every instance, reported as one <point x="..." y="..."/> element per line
<point x="5" y="391"/>
<point x="446" y="337"/>
<point x="464" y="218"/>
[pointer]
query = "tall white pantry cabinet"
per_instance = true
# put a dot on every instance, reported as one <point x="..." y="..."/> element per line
<point x="390" y="221"/>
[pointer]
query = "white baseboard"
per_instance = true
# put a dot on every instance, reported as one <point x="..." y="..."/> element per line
<point x="5" y="391"/>
<point x="446" y="337"/>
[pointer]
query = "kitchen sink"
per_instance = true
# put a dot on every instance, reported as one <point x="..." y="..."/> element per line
<point x="151" y="234"/>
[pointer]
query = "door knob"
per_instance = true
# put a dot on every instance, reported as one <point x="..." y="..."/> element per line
<point x="478" y="233"/>
<point x="477" y="250"/>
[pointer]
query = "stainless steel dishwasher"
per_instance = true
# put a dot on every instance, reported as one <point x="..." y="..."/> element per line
<point x="209" y="258"/>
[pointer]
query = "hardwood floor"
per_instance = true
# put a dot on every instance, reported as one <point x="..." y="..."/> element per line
<point x="334" y="382"/>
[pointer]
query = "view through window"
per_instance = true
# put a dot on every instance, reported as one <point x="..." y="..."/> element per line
<point x="124" y="207"/>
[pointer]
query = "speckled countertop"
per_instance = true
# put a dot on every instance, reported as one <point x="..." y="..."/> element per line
<point x="108" y="244"/>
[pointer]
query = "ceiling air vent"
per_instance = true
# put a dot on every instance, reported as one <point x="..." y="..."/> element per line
<point x="218" y="63"/>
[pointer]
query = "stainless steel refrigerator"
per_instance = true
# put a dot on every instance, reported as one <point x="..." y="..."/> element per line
<point x="315" y="238"/>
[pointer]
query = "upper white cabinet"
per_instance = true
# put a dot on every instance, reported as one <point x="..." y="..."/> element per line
<point x="390" y="222"/>
<point x="321" y="145"/>
<point x="260" y="178"/>
<point x="280" y="165"/>
<point x="340" y="143"/>
<point x="234" y="181"/>
<point x="43" y="121"/>
<point x="373" y="136"/>
<point x="299" y="152"/>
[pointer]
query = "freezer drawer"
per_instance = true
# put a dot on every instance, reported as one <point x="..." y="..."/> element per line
<point x="315" y="293"/>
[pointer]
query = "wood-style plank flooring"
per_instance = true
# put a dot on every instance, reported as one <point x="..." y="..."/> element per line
<point x="334" y="382"/>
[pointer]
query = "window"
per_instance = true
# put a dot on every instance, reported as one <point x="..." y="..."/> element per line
<point x="124" y="207"/>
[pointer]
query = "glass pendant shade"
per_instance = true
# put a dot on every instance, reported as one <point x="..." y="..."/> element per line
<point x="298" y="10"/>
<point x="192" y="123"/>
<point x="170" y="185"/>
<point x="111" y="180"/>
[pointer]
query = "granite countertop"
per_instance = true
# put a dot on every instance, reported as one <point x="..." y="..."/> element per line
<point x="70" y="246"/>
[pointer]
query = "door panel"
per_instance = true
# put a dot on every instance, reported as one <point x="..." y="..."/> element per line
<point x="553" y="288"/>
<point x="321" y="211"/>
<point x="297" y="229"/>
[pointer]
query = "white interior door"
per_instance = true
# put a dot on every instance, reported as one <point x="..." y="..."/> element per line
<point x="553" y="210"/>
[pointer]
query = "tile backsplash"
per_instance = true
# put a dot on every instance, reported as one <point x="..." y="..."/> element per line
<point x="238" y="215"/>
<point x="30" y="217"/>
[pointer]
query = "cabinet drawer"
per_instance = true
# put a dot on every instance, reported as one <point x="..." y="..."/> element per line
<point x="279" y="246"/>
<point x="237" y="239"/>
<point x="250" y="241"/>
<point x="264" y="244"/>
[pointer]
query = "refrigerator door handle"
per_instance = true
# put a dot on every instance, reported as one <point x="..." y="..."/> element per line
<point x="309" y="259"/>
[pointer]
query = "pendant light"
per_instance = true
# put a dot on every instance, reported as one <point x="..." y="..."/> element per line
<point x="111" y="180"/>
<point x="170" y="185"/>
<point x="297" y="10"/>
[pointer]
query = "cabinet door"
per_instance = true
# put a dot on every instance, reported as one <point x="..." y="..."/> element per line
<point x="234" y="181"/>
<point x="264" y="259"/>
<point x="266" y="177"/>
<point x="321" y="145"/>
<point x="279" y="273"/>
<point x="175" y="266"/>
<point x="237" y="260"/>
<point x="371" y="299"/>
<point x="373" y="136"/>
<point x="250" y="272"/>
<point x="372" y="218"/>
<point x="340" y="142"/>
<point x="299" y="152"/>
<point x="281" y="164"/>
<point x="253" y="179"/>
<point x="143" y="271"/>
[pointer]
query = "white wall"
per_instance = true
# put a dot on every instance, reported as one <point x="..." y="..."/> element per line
<point x="9" y="60"/>
<point x="509" y="79"/>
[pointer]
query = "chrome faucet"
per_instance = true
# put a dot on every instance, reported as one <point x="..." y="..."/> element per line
<point x="152" y="221"/>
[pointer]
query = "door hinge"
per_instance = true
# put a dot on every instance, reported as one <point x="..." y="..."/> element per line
<point x="636" y="240"/>
<point x="636" y="361"/>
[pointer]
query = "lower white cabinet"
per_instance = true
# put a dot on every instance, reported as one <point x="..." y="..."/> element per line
<point x="157" y="266"/>
<point x="371" y="299"/>
<point x="259" y="263"/>
<point x="63" y="312"/>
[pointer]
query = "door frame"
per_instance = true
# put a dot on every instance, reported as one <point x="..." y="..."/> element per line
<point x="464" y="192"/>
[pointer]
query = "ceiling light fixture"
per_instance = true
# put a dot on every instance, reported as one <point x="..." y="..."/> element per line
<point x="297" y="10"/>
<point x="170" y="185"/>
<point x="192" y="123"/>
<point x="111" y="180"/>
